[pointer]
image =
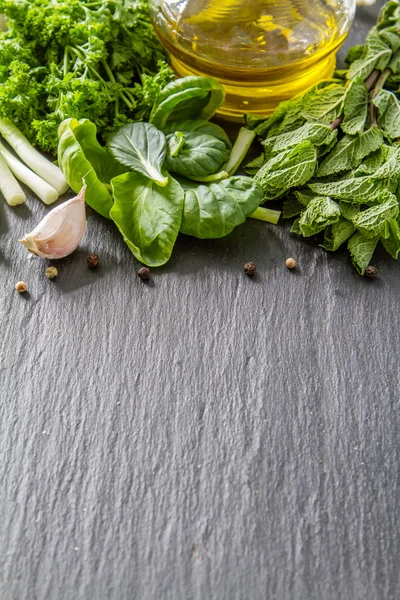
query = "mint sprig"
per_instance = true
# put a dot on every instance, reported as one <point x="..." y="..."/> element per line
<point x="332" y="155"/>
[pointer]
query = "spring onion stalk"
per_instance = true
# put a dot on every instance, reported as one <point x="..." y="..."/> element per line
<point x="239" y="150"/>
<point x="27" y="153"/>
<point x="266" y="214"/>
<point x="9" y="186"/>
<point x="40" y="187"/>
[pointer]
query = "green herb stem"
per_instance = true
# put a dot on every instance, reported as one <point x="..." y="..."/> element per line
<point x="266" y="214"/>
<point x="370" y="81"/>
<point x="239" y="150"/>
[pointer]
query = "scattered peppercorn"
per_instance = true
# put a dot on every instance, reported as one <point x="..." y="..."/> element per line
<point x="291" y="263"/>
<point x="51" y="272"/>
<point x="250" y="268"/>
<point x="371" y="272"/>
<point x="21" y="287"/>
<point x="144" y="273"/>
<point x="93" y="260"/>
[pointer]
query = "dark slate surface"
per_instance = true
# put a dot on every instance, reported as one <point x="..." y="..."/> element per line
<point x="205" y="436"/>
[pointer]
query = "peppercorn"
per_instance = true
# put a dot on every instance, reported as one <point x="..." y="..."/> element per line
<point x="291" y="263"/>
<point x="51" y="272"/>
<point x="93" y="260"/>
<point x="21" y="287"/>
<point x="371" y="272"/>
<point x="250" y="268"/>
<point x="144" y="273"/>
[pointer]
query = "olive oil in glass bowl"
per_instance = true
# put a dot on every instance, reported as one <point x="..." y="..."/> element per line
<point x="262" y="51"/>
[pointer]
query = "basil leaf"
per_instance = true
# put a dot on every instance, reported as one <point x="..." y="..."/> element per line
<point x="199" y="156"/>
<point x="355" y="107"/>
<point x="80" y="156"/>
<point x="319" y="213"/>
<point x="191" y="97"/>
<point x="141" y="147"/>
<point x="371" y="222"/>
<point x="361" y="249"/>
<point x="337" y="234"/>
<point x="147" y="215"/>
<point x="213" y="211"/>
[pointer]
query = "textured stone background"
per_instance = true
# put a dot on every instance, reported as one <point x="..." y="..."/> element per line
<point x="205" y="436"/>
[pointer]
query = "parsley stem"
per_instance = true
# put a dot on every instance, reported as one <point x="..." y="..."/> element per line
<point x="66" y="62"/>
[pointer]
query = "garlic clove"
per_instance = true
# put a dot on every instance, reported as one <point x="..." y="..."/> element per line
<point x="61" y="230"/>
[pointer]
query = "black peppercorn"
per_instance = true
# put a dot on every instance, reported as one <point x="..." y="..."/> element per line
<point x="93" y="260"/>
<point x="250" y="268"/>
<point x="144" y="273"/>
<point x="371" y="272"/>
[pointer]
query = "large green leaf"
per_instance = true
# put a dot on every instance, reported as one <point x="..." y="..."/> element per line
<point x="147" y="215"/>
<point x="199" y="155"/>
<point x="213" y="211"/>
<point x="194" y="97"/>
<point x="80" y="156"/>
<point x="141" y="147"/>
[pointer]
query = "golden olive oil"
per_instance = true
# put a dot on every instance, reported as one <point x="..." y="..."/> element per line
<point x="262" y="51"/>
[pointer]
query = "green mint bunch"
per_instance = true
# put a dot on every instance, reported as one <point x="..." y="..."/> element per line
<point x="332" y="155"/>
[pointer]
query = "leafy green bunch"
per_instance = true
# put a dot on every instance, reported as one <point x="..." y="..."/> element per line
<point x="333" y="154"/>
<point x="76" y="58"/>
<point x="174" y="174"/>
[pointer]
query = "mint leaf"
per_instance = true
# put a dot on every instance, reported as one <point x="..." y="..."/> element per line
<point x="291" y="207"/>
<point x="286" y="170"/>
<point x="253" y="166"/>
<point x="350" y="151"/>
<point x="392" y="242"/>
<point x="304" y="196"/>
<point x="371" y="222"/>
<point x="355" y="107"/>
<point x="296" y="227"/>
<point x="313" y="132"/>
<point x="354" y="53"/>
<point x="325" y="105"/>
<point x="319" y="213"/>
<point x="377" y="55"/>
<point x="361" y="250"/>
<point x="349" y="211"/>
<point x="391" y="168"/>
<point x="388" y="113"/>
<point x="358" y="190"/>
<point x="337" y="234"/>
<point x="372" y="163"/>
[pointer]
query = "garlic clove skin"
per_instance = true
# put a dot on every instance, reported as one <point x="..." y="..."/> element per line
<point x="61" y="230"/>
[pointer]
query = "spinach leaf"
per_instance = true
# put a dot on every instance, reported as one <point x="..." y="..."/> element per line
<point x="213" y="211"/>
<point x="199" y="126"/>
<point x="361" y="249"/>
<point x="81" y="156"/>
<point x="200" y="155"/>
<point x="141" y="147"/>
<point x="193" y="97"/>
<point x="147" y="215"/>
